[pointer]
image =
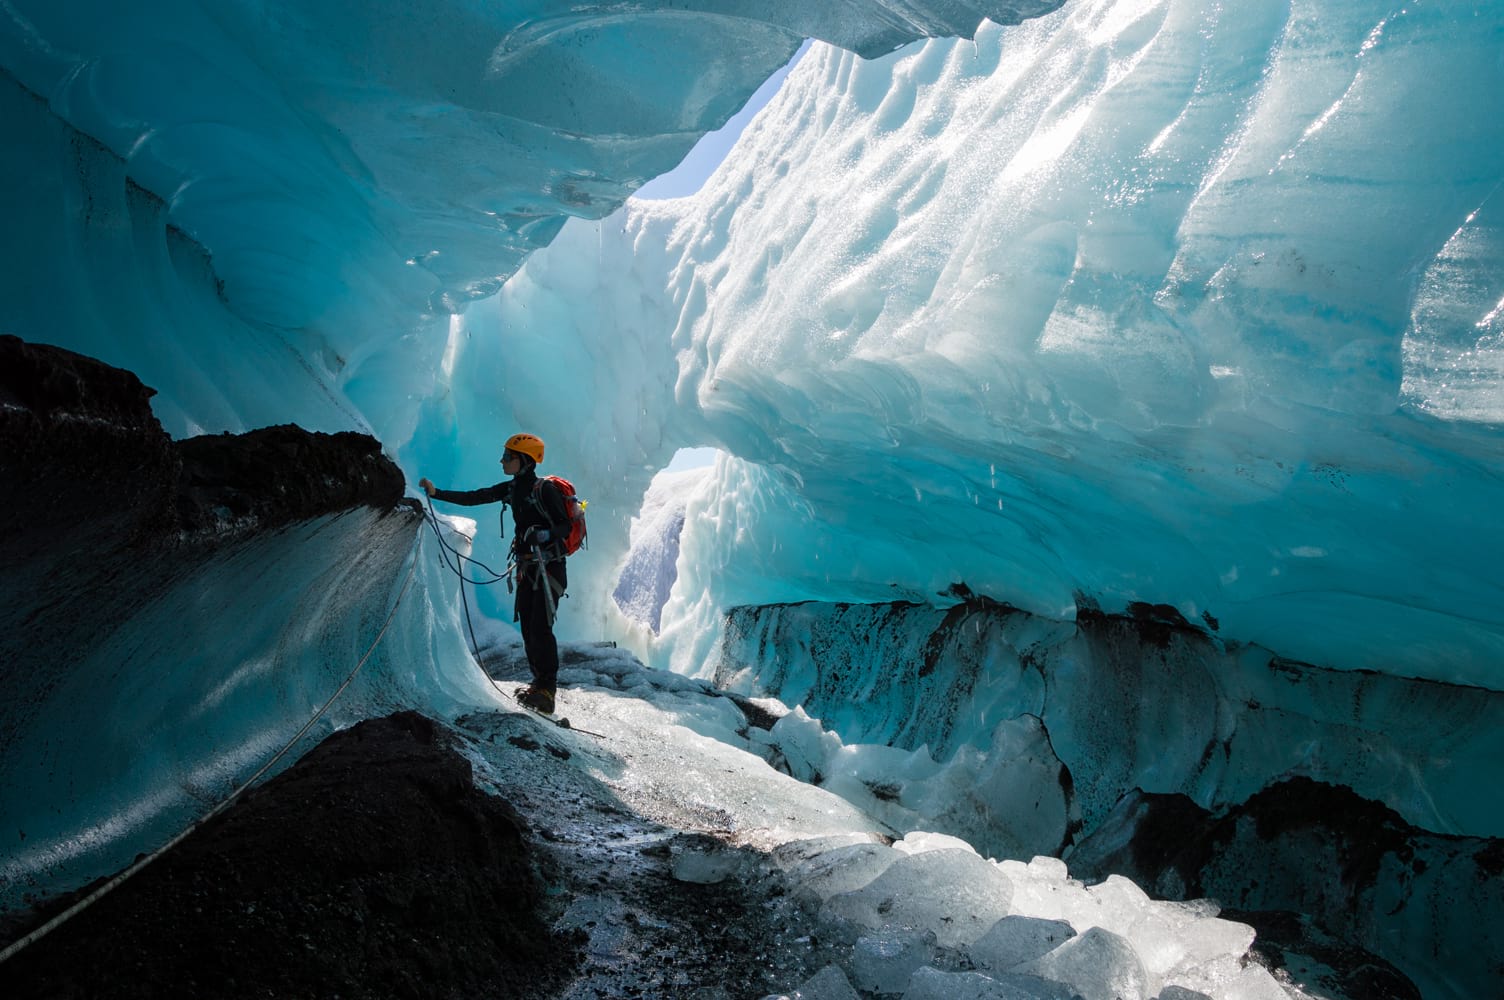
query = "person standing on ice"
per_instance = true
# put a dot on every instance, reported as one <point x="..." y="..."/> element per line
<point x="541" y="522"/>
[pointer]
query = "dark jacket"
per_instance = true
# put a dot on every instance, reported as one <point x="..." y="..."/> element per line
<point x="535" y="503"/>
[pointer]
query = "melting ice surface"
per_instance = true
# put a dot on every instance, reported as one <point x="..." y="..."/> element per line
<point x="1182" y="303"/>
<point x="924" y="916"/>
<point x="1143" y="300"/>
<point x="1178" y="303"/>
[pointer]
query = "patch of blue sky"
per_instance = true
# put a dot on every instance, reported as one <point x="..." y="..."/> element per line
<point x="707" y="154"/>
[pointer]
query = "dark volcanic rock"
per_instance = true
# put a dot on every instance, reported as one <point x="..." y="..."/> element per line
<point x="1293" y="941"/>
<point x="53" y="383"/>
<point x="86" y="481"/>
<point x="102" y="506"/>
<point x="277" y="475"/>
<point x="82" y="455"/>
<point x="83" y="452"/>
<point x="371" y="868"/>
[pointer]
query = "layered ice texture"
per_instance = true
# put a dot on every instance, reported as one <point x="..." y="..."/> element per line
<point x="275" y="213"/>
<point x="1140" y="302"/>
<point x="1188" y="307"/>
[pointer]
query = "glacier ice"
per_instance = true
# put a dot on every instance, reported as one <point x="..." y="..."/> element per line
<point x="1128" y="320"/>
<point x="1042" y="726"/>
<point x="1124" y="299"/>
<point x="651" y="564"/>
<point x="1098" y="964"/>
<point x="1142" y="304"/>
<point x="952" y="891"/>
<point x="1014" y="940"/>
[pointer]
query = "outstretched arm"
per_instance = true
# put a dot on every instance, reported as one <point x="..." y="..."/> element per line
<point x="468" y="498"/>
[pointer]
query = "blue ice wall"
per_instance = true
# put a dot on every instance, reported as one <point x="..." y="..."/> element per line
<point x="352" y="172"/>
<point x="1161" y="302"/>
<point x="1124" y="704"/>
<point x="130" y="736"/>
<point x="272" y="212"/>
<point x="276" y="212"/>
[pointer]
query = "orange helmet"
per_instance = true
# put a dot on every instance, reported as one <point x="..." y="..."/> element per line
<point x="527" y="444"/>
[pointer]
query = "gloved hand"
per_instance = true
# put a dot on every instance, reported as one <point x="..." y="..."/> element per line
<point x="427" y="486"/>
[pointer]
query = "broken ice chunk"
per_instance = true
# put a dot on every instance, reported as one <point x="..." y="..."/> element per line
<point x="795" y="852"/>
<point x="841" y="870"/>
<point x="1099" y="965"/>
<point x="1015" y="940"/>
<point x="954" y="892"/>
<point x="921" y="841"/>
<point x="884" y="961"/>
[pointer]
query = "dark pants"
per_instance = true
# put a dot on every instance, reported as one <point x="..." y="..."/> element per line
<point x="532" y="617"/>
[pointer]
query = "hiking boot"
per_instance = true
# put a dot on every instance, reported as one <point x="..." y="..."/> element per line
<point x="538" y="699"/>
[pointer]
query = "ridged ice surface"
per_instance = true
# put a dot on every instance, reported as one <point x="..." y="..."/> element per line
<point x="1146" y="300"/>
<point x="1189" y="304"/>
<point x="1179" y="303"/>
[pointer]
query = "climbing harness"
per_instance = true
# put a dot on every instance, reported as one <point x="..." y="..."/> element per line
<point x="550" y="592"/>
<point x="140" y="863"/>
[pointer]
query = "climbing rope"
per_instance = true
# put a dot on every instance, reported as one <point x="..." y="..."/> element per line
<point x="93" y="897"/>
<point x="446" y="550"/>
<point x="455" y="566"/>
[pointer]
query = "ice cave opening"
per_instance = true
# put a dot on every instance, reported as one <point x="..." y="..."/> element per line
<point x="1054" y="457"/>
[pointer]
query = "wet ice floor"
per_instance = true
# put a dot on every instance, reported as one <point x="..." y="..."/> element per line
<point x="675" y="750"/>
<point x="653" y="843"/>
<point x="684" y="865"/>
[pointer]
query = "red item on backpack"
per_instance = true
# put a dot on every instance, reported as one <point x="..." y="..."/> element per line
<point x="573" y="506"/>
